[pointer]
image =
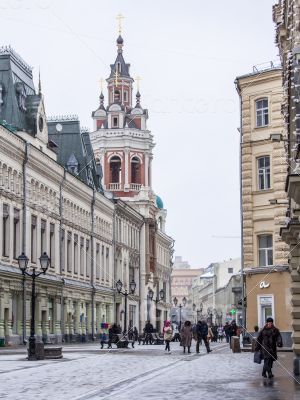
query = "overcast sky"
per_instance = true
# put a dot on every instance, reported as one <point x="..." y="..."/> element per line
<point x="188" y="54"/>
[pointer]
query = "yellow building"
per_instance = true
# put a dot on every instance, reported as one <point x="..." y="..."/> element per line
<point x="263" y="197"/>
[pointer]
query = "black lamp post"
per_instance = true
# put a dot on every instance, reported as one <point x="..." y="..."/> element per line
<point x="119" y="286"/>
<point x="210" y="314"/>
<point x="180" y="307"/>
<point x="198" y="312"/>
<point x="23" y="263"/>
<point x="157" y="299"/>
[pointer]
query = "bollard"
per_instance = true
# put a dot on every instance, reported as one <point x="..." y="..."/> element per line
<point x="235" y="344"/>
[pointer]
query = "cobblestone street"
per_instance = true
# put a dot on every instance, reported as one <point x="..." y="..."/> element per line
<point x="144" y="372"/>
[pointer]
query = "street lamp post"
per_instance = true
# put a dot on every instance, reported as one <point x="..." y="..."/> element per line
<point x="119" y="286"/>
<point x="156" y="300"/>
<point x="23" y="263"/>
<point x="180" y="307"/>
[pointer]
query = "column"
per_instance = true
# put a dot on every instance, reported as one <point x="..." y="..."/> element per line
<point x="89" y="319"/>
<point x="126" y="161"/>
<point x="2" y="335"/>
<point x="146" y="170"/>
<point x="57" y="316"/>
<point x="38" y="316"/>
<point x="19" y="314"/>
<point x="103" y="313"/>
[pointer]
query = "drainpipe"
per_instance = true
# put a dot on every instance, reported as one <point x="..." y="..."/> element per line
<point x="62" y="322"/>
<point x="93" y="263"/>
<point x="24" y="226"/>
<point x="241" y="210"/>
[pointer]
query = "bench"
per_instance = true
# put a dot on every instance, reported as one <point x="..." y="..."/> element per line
<point x="119" y="340"/>
<point x="52" y="353"/>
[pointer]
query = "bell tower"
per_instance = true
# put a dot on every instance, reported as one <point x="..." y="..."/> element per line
<point x="121" y="141"/>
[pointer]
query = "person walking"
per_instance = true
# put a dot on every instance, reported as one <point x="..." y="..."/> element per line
<point x="148" y="330"/>
<point x="202" y="334"/>
<point x="220" y="333"/>
<point x="168" y="334"/>
<point x="269" y="338"/>
<point x="226" y="331"/>
<point x="232" y="331"/>
<point x="186" y="334"/>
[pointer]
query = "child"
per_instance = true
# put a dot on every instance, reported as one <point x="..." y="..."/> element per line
<point x="103" y="338"/>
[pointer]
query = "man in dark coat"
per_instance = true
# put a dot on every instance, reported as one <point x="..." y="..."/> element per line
<point x="232" y="331"/>
<point x="148" y="330"/>
<point x="202" y="332"/>
<point x="268" y="340"/>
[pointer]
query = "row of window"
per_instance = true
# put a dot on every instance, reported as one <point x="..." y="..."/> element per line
<point x="115" y="170"/>
<point x="76" y="257"/>
<point x="127" y="234"/>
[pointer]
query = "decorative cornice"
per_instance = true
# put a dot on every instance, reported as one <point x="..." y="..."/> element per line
<point x="61" y="118"/>
<point x="7" y="50"/>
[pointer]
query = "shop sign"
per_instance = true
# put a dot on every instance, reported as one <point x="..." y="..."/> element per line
<point x="264" y="285"/>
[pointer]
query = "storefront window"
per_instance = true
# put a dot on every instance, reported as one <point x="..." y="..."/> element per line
<point x="266" y="309"/>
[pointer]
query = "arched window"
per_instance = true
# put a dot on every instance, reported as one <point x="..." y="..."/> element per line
<point x="115" y="169"/>
<point x="135" y="170"/>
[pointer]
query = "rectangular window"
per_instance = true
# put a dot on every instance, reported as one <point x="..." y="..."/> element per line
<point x="132" y="313"/>
<point x="88" y="258"/>
<point x="103" y="271"/>
<point x="265" y="250"/>
<point x="16" y="238"/>
<point x="107" y="265"/>
<point x="262" y="113"/>
<point x="63" y="250"/>
<point x="125" y="95"/>
<point x="5" y="231"/>
<point x="33" y="238"/>
<point x="75" y="254"/>
<point x="52" y="245"/>
<point x="263" y="166"/>
<point x="230" y="270"/>
<point x="82" y="256"/>
<point x="43" y="236"/>
<point x="115" y="122"/>
<point x="131" y="274"/>
<point x="69" y="252"/>
<point x="97" y="261"/>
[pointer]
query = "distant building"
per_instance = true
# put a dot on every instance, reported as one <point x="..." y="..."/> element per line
<point x="182" y="282"/>
<point x="179" y="264"/>
<point x="213" y="296"/>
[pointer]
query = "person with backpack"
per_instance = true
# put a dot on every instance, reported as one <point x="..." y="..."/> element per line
<point x="202" y="334"/>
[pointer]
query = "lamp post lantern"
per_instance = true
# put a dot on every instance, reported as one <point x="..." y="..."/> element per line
<point x="132" y="287"/>
<point x="156" y="300"/>
<point x="23" y="263"/>
<point x="175" y="300"/>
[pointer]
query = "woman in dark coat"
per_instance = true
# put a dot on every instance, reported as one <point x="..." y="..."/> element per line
<point x="268" y="340"/>
<point x="186" y="335"/>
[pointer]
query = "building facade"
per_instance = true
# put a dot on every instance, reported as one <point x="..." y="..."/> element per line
<point x="264" y="201"/>
<point x="53" y="199"/>
<point x="182" y="282"/>
<point x="286" y="15"/>
<point x="124" y="147"/>
<point x="217" y="291"/>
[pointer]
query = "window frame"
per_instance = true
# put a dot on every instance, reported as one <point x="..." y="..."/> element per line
<point x="262" y="112"/>
<point x="265" y="250"/>
<point x="263" y="173"/>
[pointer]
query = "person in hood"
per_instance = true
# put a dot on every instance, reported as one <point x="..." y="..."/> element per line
<point x="269" y="338"/>
<point x="168" y="334"/>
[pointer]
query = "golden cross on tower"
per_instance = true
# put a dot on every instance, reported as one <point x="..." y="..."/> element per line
<point x="116" y="74"/>
<point x="138" y="79"/>
<point x="119" y="18"/>
<point x="101" y="84"/>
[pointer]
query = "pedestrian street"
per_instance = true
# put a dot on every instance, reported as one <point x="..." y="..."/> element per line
<point x="144" y="372"/>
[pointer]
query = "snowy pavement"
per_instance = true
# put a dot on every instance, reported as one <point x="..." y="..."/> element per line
<point x="146" y="372"/>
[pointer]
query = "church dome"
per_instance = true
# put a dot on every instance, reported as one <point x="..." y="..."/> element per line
<point x="159" y="203"/>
